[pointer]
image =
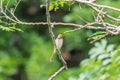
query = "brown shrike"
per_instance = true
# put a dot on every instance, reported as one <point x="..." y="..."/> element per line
<point x="59" y="43"/>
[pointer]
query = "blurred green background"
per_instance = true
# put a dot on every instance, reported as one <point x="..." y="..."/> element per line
<point x="25" y="55"/>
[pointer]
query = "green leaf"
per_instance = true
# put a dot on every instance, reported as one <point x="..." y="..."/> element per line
<point x="17" y="29"/>
<point x="106" y="62"/>
<point x="42" y="5"/>
<point x="96" y="35"/>
<point x="61" y="3"/>
<point x="110" y="48"/>
<point x="5" y="28"/>
<point x="103" y="43"/>
<point x="10" y="28"/>
<point x="103" y="56"/>
<point x="51" y="7"/>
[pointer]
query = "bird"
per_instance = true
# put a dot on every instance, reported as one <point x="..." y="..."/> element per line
<point x="59" y="44"/>
<point x="93" y="1"/>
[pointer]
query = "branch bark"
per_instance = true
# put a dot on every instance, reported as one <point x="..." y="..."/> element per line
<point x="56" y="73"/>
<point x="53" y="39"/>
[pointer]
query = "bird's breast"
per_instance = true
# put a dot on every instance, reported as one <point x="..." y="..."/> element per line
<point x="59" y="43"/>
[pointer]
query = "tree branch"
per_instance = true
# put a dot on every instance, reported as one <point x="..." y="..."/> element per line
<point x="56" y="73"/>
<point x="53" y="39"/>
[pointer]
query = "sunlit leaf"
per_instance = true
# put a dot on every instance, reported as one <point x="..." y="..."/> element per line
<point x="103" y="56"/>
<point x="17" y="29"/>
<point x="106" y="62"/>
<point x="42" y="5"/>
<point x="96" y="35"/>
<point x="110" y="48"/>
<point x="5" y="28"/>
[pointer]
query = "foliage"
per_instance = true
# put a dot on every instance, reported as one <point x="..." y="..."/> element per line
<point x="96" y="35"/>
<point x="54" y="5"/>
<point x="31" y="54"/>
<point x="38" y="65"/>
<point x="12" y="28"/>
<point x="103" y="63"/>
<point x="32" y="48"/>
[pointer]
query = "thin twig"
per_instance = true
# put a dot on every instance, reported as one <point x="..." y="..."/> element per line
<point x="105" y="13"/>
<point x="16" y="6"/>
<point x="52" y="34"/>
<point x="56" y="73"/>
<point x="82" y="19"/>
<point x="7" y="5"/>
<point x="53" y="39"/>
<point x="97" y="5"/>
<point x="87" y="26"/>
<point x="101" y="37"/>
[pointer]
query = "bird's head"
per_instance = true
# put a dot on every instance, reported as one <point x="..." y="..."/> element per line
<point x="60" y="36"/>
